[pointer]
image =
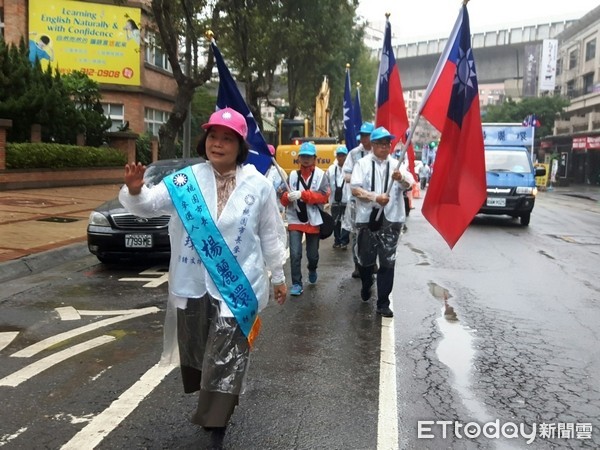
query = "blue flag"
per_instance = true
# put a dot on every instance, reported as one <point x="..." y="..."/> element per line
<point x="230" y="96"/>
<point x="349" y="132"/>
<point x="357" y="114"/>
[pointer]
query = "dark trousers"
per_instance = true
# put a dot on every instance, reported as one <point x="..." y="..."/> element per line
<point x="385" y="283"/>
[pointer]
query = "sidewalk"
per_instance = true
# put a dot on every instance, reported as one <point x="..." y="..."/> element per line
<point x="34" y="221"/>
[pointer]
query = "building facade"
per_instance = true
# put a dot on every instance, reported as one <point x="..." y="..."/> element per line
<point x="98" y="37"/>
<point x="577" y="133"/>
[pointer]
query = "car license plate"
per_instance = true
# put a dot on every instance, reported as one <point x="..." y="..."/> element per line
<point x="138" y="240"/>
<point x="496" y="201"/>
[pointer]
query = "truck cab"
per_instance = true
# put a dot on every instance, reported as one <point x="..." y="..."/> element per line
<point x="510" y="173"/>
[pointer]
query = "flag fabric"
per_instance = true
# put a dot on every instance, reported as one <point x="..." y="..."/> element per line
<point x="457" y="188"/>
<point x="391" y="111"/>
<point x="531" y="121"/>
<point x="230" y="96"/>
<point x="349" y="131"/>
<point x="357" y="116"/>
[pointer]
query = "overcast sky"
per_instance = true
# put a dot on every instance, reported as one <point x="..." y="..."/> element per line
<point x="426" y="19"/>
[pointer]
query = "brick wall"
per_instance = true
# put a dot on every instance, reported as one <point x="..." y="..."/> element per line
<point x="44" y="178"/>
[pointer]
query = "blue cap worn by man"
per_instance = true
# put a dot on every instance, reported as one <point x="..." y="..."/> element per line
<point x="307" y="149"/>
<point x="381" y="133"/>
<point x="341" y="150"/>
<point x="365" y="130"/>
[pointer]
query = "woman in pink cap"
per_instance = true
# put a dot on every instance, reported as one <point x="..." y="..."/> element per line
<point x="226" y="234"/>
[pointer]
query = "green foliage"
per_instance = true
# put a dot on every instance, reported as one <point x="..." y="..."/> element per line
<point x="57" y="156"/>
<point x="63" y="105"/>
<point x="547" y="109"/>
<point x="143" y="148"/>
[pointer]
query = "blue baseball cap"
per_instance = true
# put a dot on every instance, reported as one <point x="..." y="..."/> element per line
<point x="341" y="150"/>
<point x="366" y="128"/>
<point x="308" y="149"/>
<point x="381" y="133"/>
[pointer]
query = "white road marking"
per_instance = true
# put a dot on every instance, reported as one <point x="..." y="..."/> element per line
<point x="7" y="337"/>
<point x="37" y="367"/>
<point x="161" y="273"/>
<point x="70" y="313"/>
<point x="101" y="425"/>
<point x="9" y="437"/>
<point x="49" y="342"/>
<point x="387" y="422"/>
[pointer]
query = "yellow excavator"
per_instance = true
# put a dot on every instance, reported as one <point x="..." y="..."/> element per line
<point x="292" y="133"/>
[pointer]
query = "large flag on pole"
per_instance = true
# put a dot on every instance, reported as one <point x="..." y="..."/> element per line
<point x="391" y="111"/>
<point x="357" y="117"/>
<point x="349" y="131"/>
<point x="457" y="188"/>
<point x="230" y="96"/>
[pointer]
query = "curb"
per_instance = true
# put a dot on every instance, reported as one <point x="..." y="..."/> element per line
<point x="38" y="262"/>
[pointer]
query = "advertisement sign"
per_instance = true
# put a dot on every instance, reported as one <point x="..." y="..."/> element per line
<point x="500" y="134"/>
<point x="543" y="180"/>
<point x="548" y="65"/>
<point x="531" y="70"/>
<point x="102" y="41"/>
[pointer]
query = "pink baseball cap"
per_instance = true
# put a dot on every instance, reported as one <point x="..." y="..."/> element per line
<point x="229" y="118"/>
<point x="271" y="149"/>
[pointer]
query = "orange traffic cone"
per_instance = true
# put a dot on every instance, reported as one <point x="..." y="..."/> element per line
<point x="416" y="191"/>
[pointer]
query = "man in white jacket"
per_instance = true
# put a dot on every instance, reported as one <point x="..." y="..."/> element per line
<point x="379" y="216"/>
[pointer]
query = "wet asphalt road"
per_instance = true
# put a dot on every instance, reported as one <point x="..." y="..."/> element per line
<point x="503" y="327"/>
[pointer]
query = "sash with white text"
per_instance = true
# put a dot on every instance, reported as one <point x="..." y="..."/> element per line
<point x="217" y="257"/>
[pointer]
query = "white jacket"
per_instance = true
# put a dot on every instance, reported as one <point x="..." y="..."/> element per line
<point x="333" y="182"/>
<point x="361" y="178"/>
<point x="252" y="206"/>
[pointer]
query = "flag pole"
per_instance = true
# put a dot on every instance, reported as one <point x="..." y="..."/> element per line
<point x="532" y="139"/>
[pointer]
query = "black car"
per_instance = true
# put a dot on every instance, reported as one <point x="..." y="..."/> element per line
<point x="114" y="234"/>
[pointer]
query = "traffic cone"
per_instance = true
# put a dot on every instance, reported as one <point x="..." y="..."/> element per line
<point x="416" y="191"/>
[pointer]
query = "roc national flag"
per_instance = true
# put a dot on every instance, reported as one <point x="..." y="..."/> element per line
<point x="531" y="120"/>
<point x="457" y="188"/>
<point x="349" y="131"/>
<point x="391" y="111"/>
<point x="230" y="96"/>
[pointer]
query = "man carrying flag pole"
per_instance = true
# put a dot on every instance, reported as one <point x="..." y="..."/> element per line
<point x="457" y="188"/>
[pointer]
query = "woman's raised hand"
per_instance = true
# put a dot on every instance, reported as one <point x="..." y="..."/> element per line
<point x="134" y="177"/>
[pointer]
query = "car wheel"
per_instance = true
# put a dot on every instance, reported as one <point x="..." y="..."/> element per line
<point x="105" y="259"/>
<point x="525" y="219"/>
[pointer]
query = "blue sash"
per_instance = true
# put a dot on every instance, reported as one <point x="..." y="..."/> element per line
<point x="221" y="264"/>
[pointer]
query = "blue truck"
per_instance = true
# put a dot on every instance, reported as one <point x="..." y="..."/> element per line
<point x="510" y="173"/>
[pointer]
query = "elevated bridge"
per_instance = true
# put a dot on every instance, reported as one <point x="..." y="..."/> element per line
<point x="499" y="55"/>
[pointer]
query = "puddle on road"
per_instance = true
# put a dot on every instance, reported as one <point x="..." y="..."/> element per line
<point x="456" y="351"/>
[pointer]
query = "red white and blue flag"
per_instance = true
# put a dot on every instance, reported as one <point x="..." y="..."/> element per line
<point x="349" y="131"/>
<point x="457" y="187"/>
<point x="391" y="111"/>
<point x="531" y="121"/>
<point x="230" y="96"/>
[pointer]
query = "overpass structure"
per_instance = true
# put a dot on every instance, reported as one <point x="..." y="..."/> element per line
<point x="499" y="55"/>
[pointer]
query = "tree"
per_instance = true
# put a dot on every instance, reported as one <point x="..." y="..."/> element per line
<point x="174" y="20"/>
<point x="547" y="109"/>
<point x="86" y="94"/>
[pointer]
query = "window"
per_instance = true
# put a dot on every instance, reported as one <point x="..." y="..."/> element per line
<point x="559" y="64"/>
<point x="153" y="119"/>
<point x="2" y="22"/>
<point x="154" y="54"/>
<point x="588" y="83"/>
<point x="116" y="112"/>
<point x="571" y="88"/>
<point x="590" y="50"/>
<point x="573" y="59"/>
